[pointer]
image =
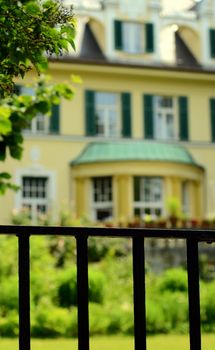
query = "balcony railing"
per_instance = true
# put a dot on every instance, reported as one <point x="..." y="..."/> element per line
<point x="138" y="236"/>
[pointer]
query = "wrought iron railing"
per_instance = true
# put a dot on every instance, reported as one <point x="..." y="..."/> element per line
<point x="192" y="238"/>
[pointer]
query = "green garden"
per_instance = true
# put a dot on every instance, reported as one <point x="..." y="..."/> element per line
<point x="53" y="292"/>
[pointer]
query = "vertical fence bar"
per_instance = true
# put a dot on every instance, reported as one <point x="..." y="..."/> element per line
<point x="139" y="293"/>
<point x="193" y="294"/>
<point x="82" y="297"/>
<point x="24" y="291"/>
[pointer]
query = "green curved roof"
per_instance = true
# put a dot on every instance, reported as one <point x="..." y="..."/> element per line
<point x="134" y="151"/>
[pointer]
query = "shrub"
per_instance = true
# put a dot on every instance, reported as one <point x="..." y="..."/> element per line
<point x="175" y="310"/>
<point x="8" y="295"/>
<point x="127" y="321"/>
<point x="115" y="320"/>
<point x="173" y="280"/>
<point x="155" y="318"/>
<point x="100" y="247"/>
<point x="98" y="319"/>
<point x="50" y="321"/>
<point x="8" y="256"/>
<point x="96" y="286"/>
<point x="208" y="306"/>
<point x="67" y="290"/>
<point x="9" y="326"/>
<point x="43" y="282"/>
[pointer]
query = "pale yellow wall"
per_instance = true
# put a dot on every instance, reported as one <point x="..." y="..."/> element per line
<point x="198" y="88"/>
<point x="56" y="152"/>
<point x="123" y="173"/>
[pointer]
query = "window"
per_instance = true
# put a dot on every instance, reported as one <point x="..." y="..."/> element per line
<point x="34" y="195"/>
<point x="134" y="37"/>
<point x="41" y="124"/>
<point x="102" y="198"/>
<point x="108" y="114"/>
<point x="148" y="196"/>
<point x="185" y="197"/>
<point x="166" y="117"/>
<point x="107" y="111"/>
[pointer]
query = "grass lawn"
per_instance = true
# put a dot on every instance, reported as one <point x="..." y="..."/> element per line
<point x="170" y="342"/>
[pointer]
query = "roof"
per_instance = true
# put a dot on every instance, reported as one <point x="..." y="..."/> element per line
<point x="89" y="46"/>
<point x="115" y="151"/>
<point x="184" y="56"/>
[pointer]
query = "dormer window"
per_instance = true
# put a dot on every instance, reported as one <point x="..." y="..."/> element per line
<point x="134" y="37"/>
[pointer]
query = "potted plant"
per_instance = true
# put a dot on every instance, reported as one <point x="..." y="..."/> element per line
<point x="174" y="210"/>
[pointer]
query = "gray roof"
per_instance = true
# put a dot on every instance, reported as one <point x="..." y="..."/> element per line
<point x="89" y="46"/>
<point x="184" y="56"/>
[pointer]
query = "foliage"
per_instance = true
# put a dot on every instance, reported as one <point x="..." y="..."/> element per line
<point x="174" y="207"/>
<point x="9" y="325"/>
<point x="54" y="295"/>
<point x="28" y="28"/>
<point x="174" y="280"/>
<point x="30" y="31"/>
<point x="100" y="247"/>
<point x="50" y="321"/>
<point x="67" y="289"/>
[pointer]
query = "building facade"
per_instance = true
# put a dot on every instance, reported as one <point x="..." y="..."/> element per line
<point x="140" y="130"/>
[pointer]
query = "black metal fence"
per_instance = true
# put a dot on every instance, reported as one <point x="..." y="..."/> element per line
<point x="192" y="237"/>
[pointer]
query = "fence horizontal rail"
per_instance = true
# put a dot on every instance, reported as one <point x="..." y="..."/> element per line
<point x="201" y="235"/>
<point x="138" y="236"/>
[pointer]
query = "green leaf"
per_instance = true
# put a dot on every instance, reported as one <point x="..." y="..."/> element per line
<point x="32" y="8"/>
<point x="15" y="151"/>
<point x="5" y="126"/>
<point x="5" y="112"/>
<point x="2" y="151"/>
<point x="5" y="176"/>
<point x="43" y="106"/>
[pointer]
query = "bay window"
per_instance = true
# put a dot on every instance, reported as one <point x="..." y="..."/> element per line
<point x="102" y="204"/>
<point x="148" y="196"/>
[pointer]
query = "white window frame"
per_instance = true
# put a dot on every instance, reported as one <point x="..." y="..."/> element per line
<point x="35" y="128"/>
<point x="185" y="197"/>
<point x="161" y="125"/>
<point x="21" y="202"/>
<point x="106" y="110"/>
<point x="102" y="203"/>
<point x="152" y="205"/>
<point x="39" y="119"/>
<point x="133" y="37"/>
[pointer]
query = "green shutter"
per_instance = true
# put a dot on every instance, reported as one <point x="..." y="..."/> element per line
<point x="148" y="116"/>
<point x="118" y="35"/>
<point x="183" y="119"/>
<point x="149" y="37"/>
<point x="90" y="113"/>
<point x="212" y="42"/>
<point x="126" y="114"/>
<point x="212" y="107"/>
<point x="137" y="188"/>
<point x="54" y="126"/>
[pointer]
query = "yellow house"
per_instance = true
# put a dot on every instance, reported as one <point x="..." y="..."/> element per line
<point x="141" y="127"/>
